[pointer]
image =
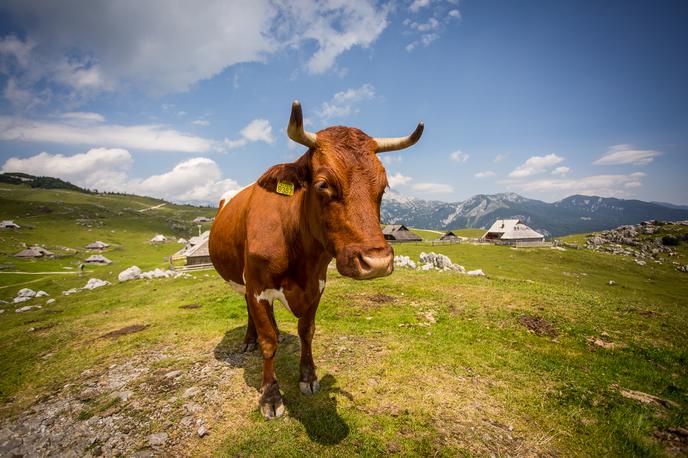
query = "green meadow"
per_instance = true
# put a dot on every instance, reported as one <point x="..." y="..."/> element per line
<point x="542" y="356"/>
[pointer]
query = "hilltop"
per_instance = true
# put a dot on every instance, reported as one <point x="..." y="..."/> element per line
<point x="574" y="214"/>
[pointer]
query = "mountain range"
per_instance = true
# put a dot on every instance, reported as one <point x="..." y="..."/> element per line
<point x="574" y="214"/>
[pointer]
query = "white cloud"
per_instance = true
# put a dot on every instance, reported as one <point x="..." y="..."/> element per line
<point x="390" y="159"/>
<point x="601" y="185"/>
<point x="343" y="103"/>
<point x="82" y="117"/>
<point x="455" y="14"/>
<point x="431" y="24"/>
<point x="535" y="165"/>
<point x="258" y="130"/>
<point x="397" y="180"/>
<point x="418" y="4"/>
<point x="436" y="188"/>
<point x="485" y="174"/>
<point x="459" y="156"/>
<point x="562" y="170"/>
<point x="194" y="180"/>
<point x="98" y="168"/>
<point x="70" y="132"/>
<point x="499" y="158"/>
<point x="625" y="154"/>
<point x="200" y="122"/>
<point x="104" y="45"/>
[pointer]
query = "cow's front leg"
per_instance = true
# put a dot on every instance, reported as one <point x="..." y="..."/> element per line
<point x="251" y="337"/>
<point x="309" y="381"/>
<point x="271" y="405"/>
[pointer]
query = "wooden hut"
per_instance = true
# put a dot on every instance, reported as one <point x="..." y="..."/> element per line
<point x="400" y="233"/>
<point x="512" y="231"/>
<point x="194" y="255"/>
<point x="450" y="237"/>
<point x="34" y="252"/>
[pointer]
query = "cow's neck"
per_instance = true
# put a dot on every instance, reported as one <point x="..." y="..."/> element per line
<point x="308" y="235"/>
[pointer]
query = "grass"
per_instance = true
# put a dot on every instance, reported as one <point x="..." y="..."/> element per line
<point x="418" y="363"/>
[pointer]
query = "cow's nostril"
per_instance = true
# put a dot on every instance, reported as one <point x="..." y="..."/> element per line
<point x="376" y="263"/>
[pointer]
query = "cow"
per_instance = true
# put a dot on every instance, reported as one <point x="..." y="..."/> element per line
<point x="276" y="237"/>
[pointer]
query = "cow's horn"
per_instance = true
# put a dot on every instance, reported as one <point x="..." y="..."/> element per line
<point x="295" y="129"/>
<point x="397" y="143"/>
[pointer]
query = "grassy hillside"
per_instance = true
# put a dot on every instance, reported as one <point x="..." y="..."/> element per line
<point x="533" y="359"/>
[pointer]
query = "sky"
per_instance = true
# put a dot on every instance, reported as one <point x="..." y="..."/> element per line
<point x="186" y="102"/>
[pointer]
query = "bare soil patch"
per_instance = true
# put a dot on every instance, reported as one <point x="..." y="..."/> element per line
<point x="538" y="325"/>
<point x="191" y="306"/>
<point x="674" y="440"/>
<point x="125" y="330"/>
<point x="381" y="298"/>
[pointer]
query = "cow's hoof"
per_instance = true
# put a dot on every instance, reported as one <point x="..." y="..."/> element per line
<point x="271" y="405"/>
<point x="309" y="387"/>
<point x="249" y="347"/>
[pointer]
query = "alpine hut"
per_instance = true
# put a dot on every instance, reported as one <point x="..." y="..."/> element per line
<point x="97" y="259"/>
<point x="399" y="233"/>
<point x="512" y="231"/>
<point x="34" y="252"/>
<point x="97" y="245"/>
<point x="450" y="237"/>
<point x="194" y="255"/>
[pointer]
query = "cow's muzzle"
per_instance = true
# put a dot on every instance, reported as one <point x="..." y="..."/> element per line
<point x="365" y="262"/>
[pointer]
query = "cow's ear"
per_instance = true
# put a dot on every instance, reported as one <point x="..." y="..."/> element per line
<point x="297" y="173"/>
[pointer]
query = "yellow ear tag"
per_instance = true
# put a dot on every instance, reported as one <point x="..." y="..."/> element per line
<point x="286" y="188"/>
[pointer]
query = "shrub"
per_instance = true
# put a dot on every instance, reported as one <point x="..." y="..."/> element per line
<point x="670" y="240"/>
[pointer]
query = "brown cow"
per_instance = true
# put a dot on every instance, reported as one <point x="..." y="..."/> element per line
<point x="275" y="238"/>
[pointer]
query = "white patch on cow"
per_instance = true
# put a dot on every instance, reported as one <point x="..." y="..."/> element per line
<point x="271" y="294"/>
<point x="322" y="285"/>
<point x="227" y="196"/>
<point x="241" y="289"/>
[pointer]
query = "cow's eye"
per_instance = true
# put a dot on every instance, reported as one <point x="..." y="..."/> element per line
<point x="324" y="189"/>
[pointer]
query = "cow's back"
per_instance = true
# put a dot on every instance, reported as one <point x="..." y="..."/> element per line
<point x="227" y="241"/>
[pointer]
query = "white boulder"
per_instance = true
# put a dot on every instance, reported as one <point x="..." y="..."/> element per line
<point x="94" y="283"/>
<point x="404" y="261"/>
<point x="476" y="272"/>
<point x="27" y="308"/>
<point x="132" y="273"/>
<point x="26" y="292"/>
<point x="42" y="294"/>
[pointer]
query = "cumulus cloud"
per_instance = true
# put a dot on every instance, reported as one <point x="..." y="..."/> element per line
<point x="343" y="103"/>
<point x="435" y="188"/>
<point x="397" y="180"/>
<point x="459" y="156"/>
<point x="562" y="170"/>
<point x="601" y="185"/>
<point x="390" y="159"/>
<point x="485" y="174"/>
<point x="100" y="45"/>
<point x="499" y="158"/>
<point x="626" y="154"/>
<point x="535" y="165"/>
<point x="258" y="130"/>
<point x="98" y="168"/>
<point x="418" y="4"/>
<point x="197" y="180"/>
<point x="200" y="122"/>
<point x="74" y="131"/>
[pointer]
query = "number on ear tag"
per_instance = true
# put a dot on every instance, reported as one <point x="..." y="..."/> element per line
<point x="286" y="188"/>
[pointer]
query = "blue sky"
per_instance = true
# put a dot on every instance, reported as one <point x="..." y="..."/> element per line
<point x="164" y="98"/>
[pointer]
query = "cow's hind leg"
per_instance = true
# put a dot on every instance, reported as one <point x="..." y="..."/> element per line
<point x="271" y="405"/>
<point x="308" y="383"/>
<point x="251" y="337"/>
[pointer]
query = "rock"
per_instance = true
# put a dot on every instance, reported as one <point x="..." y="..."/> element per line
<point x="476" y="272"/>
<point x="26" y="292"/>
<point x="27" y="308"/>
<point x="404" y="261"/>
<point x="132" y="273"/>
<point x="611" y="283"/>
<point x="2" y="310"/>
<point x="427" y="266"/>
<point x="189" y="392"/>
<point x="94" y="283"/>
<point x="202" y="431"/>
<point x="157" y="439"/>
<point x="49" y="301"/>
<point x="42" y="294"/>
<point x="71" y="291"/>
<point x="19" y="299"/>
<point x="123" y="395"/>
<point x="173" y="374"/>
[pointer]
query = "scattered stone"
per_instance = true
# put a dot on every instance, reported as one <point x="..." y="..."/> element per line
<point x="428" y="316"/>
<point x="173" y="374"/>
<point x="126" y="330"/>
<point x="202" y="431"/>
<point x="157" y="439"/>
<point x="476" y="272"/>
<point x="611" y="283"/>
<point x="440" y="262"/>
<point x="606" y="344"/>
<point x="94" y="283"/>
<point x="132" y="273"/>
<point x="640" y="262"/>
<point x="42" y="294"/>
<point x="123" y="395"/>
<point x="17" y="300"/>
<point x="26" y="292"/>
<point x="404" y="261"/>
<point x="645" y="398"/>
<point x="27" y="308"/>
<point x="192" y="391"/>
<point x="49" y="301"/>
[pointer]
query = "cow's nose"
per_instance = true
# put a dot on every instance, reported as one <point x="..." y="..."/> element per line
<point x="376" y="262"/>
